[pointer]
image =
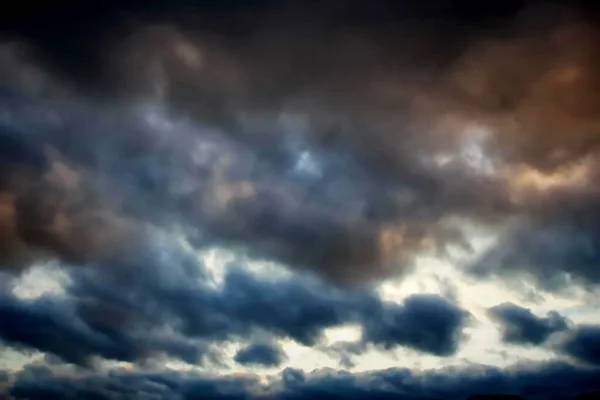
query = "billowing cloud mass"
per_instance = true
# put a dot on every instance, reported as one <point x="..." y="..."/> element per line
<point x="244" y="187"/>
<point x="352" y="189"/>
<point x="148" y="307"/>
<point x="521" y="326"/>
<point x="38" y="382"/>
<point x="261" y="353"/>
<point x="584" y="344"/>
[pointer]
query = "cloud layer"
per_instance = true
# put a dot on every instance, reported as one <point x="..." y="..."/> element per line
<point x="353" y="189"/>
<point x="334" y="145"/>
<point x="545" y="381"/>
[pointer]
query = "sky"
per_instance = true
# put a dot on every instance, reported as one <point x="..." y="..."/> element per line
<point x="289" y="200"/>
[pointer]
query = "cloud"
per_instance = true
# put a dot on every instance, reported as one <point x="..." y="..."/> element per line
<point x="423" y="322"/>
<point x="496" y="397"/>
<point x="297" y="307"/>
<point x="557" y="247"/>
<point x="583" y="343"/>
<point x="163" y="301"/>
<point x="42" y="325"/>
<point x="48" y="206"/>
<point x="204" y="183"/>
<point x="521" y="326"/>
<point x="342" y="151"/>
<point x="265" y="354"/>
<point x="69" y="330"/>
<point x="411" y="140"/>
<point x="530" y="381"/>
<point x="428" y="324"/>
<point x="175" y="293"/>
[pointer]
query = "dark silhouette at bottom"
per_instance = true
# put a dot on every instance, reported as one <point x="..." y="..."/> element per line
<point x="584" y="396"/>
<point x="588" y="396"/>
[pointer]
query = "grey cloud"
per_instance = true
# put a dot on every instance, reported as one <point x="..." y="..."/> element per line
<point x="424" y="322"/>
<point x="49" y="208"/>
<point x="583" y="343"/>
<point x="387" y="104"/>
<point x="55" y="325"/>
<point x="122" y="311"/>
<point x="550" y="381"/>
<point x="260" y="353"/>
<point x="298" y="307"/>
<point x="345" y="226"/>
<point x="556" y="251"/>
<point x="521" y="326"/>
<point x="381" y="93"/>
<point x="389" y="134"/>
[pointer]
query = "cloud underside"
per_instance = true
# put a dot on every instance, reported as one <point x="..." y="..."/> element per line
<point x="341" y="153"/>
<point x="265" y="150"/>
<point x="163" y="310"/>
<point x="536" y="381"/>
<point x="520" y="326"/>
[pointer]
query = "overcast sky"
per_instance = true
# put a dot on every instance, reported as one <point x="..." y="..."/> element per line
<point x="299" y="200"/>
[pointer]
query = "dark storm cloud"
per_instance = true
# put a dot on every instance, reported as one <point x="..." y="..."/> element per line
<point x="387" y="111"/>
<point x="177" y="293"/>
<point x="167" y="171"/>
<point x="56" y="326"/>
<point x="261" y="353"/>
<point x="521" y="326"/>
<point x="166" y="293"/>
<point x="49" y="327"/>
<point x="356" y="226"/>
<point x="583" y="344"/>
<point x="48" y="206"/>
<point x="122" y="311"/>
<point x="558" y="245"/>
<point x="426" y="323"/>
<point x="550" y="381"/>
<point x="339" y="140"/>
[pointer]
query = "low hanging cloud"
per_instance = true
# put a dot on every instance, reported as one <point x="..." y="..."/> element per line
<point x="529" y="381"/>
<point x="164" y="302"/>
<point x="55" y="326"/>
<point x="399" y="153"/>
<point x="521" y="326"/>
<point x="162" y="294"/>
<point x="261" y="353"/>
<point x="426" y="323"/>
<point x="583" y="344"/>
<point x="207" y="184"/>
<point x="49" y="207"/>
<point x="557" y="248"/>
<point x="341" y="142"/>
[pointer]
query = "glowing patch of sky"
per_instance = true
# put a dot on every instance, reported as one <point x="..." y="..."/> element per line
<point x="307" y="165"/>
<point x="14" y="360"/>
<point x="471" y="152"/>
<point x="346" y="333"/>
<point x="40" y="280"/>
